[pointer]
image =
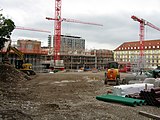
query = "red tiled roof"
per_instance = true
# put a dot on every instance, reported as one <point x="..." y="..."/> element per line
<point x="135" y="45"/>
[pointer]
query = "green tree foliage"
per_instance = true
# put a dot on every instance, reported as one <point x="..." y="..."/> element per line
<point x="6" y="27"/>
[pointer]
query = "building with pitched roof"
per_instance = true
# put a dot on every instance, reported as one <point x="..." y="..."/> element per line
<point x="130" y="51"/>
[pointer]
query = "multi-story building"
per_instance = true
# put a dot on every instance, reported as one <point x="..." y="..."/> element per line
<point x="31" y="50"/>
<point x="74" y="57"/>
<point x="130" y="51"/>
<point x="72" y="43"/>
<point x="102" y="57"/>
<point x="88" y="59"/>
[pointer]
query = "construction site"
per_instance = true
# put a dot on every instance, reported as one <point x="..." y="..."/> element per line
<point x="66" y="81"/>
<point x="71" y="58"/>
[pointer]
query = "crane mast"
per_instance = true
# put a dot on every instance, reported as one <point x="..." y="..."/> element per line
<point x="142" y="28"/>
<point x="141" y="35"/>
<point x="57" y="28"/>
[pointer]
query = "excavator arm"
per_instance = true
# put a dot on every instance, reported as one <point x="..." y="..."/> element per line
<point x="17" y="52"/>
<point x="8" y="48"/>
<point x="19" y="63"/>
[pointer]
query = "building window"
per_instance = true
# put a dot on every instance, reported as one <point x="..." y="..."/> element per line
<point x="157" y="46"/>
<point x="153" y="51"/>
<point x="153" y="46"/>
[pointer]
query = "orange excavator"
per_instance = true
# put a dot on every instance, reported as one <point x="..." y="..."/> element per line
<point x="112" y="74"/>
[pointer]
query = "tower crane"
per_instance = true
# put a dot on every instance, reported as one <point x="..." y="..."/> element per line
<point x="57" y="28"/>
<point x="142" y="28"/>
<point x="31" y="29"/>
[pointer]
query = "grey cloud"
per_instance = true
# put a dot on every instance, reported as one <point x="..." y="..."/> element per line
<point x="117" y="28"/>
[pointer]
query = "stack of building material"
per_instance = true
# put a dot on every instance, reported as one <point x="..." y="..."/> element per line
<point x="120" y="99"/>
<point x="134" y="95"/>
<point x="149" y="80"/>
<point x="152" y="97"/>
<point x="157" y="82"/>
<point x="123" y="90"/>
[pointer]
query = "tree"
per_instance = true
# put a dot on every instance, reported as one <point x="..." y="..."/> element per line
<point x="6" y="28"/>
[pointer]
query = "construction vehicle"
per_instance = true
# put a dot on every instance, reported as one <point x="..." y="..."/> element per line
<point x="112" y="74"/>
<point x="19" y="63"/>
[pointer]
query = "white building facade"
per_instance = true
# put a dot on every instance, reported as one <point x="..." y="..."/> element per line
<point x="130" y="52"/>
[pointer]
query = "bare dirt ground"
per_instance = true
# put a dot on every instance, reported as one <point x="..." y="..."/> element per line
<point x="66" y="95"/>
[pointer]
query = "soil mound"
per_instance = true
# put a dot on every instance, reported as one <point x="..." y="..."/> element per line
<point x="10" y="74"/>
<point x="11" y="81"/>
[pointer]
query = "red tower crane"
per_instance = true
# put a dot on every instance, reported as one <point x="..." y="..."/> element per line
<point x="57" y="28"/>
<point x="142" y="27"/>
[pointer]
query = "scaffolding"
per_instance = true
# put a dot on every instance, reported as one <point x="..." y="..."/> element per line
<point x="73" y="58"/>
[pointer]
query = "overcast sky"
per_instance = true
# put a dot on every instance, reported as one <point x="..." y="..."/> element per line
<point x="115" y="15"/>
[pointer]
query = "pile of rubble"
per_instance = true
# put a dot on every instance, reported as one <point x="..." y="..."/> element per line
<point x="10" y="80"/>
<point x="12" y="93"/>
